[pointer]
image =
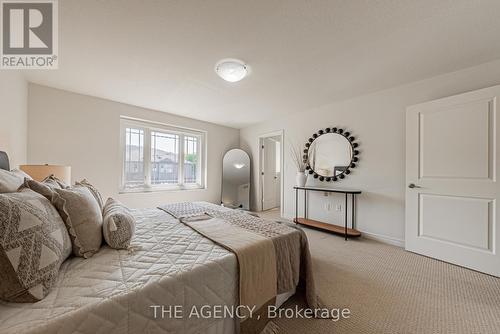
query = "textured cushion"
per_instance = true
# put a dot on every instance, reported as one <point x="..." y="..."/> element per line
<point x="45" y="188"/>
<point x="83" y="218"/>
<point x="94" y="191"/>
<point x="118" y="224"/>
<point x="33" y="244"/>
<point x="54" y="182"/>
<point x="10" y="181"/>
<point x="21" y="174"/>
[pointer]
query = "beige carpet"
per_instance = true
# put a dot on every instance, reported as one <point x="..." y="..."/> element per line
<point x="389" y="290"/>
<point x="269" y="214"/>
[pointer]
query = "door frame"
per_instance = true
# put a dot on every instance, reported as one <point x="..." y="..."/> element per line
<point x="260" y="195"/>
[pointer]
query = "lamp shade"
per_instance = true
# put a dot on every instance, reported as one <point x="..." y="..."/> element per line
<point x="40" y="172"/>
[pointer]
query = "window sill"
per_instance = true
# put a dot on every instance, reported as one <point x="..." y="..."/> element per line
<point x="160" y="189"/>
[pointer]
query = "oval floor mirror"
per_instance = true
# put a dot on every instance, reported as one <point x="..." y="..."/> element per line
<point x="236" y="179"/>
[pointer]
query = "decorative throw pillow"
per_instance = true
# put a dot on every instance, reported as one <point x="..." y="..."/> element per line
<point x="83" y="218"/>
<point x="45" y="188"/>
<point x="21" y="174"/>
<point x="33" y="244"/>
<point x="118" y="225"/>
<point x="94" y="191"/>
<point x="54" y="182"/>
<point x="10" y="181"/>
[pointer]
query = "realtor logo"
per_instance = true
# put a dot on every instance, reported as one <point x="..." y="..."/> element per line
<point x="29" y="34"/>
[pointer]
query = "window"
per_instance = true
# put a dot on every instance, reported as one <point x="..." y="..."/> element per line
<point x="134" y="156"/>
<point x="161" y="157"/>
<point x="164" y="158"/>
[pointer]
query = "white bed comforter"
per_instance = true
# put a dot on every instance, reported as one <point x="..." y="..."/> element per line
<point x="114" y="290"/>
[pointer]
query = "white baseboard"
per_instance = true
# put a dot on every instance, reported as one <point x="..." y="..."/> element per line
<point x="383" y="238"/>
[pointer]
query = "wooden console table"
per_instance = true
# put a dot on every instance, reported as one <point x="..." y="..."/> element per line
<point x="347" y="232"/>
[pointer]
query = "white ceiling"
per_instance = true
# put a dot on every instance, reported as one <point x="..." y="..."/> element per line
<point x="303" y="53"/>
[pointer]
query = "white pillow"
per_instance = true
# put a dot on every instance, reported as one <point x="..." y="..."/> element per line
<point x="11" y="181"/>
<point x="21" y="174"/>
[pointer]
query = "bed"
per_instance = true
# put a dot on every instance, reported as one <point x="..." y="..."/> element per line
<point x="121" y="291"/>
<point x="114" y="290"/>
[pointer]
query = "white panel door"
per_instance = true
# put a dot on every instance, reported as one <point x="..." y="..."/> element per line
<point x="270" y="176"/>
<point x="451" y="176"/>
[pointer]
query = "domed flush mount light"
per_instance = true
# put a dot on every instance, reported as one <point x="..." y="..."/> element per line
<point x="239" y="166"/>
<point x="231" y="70"/>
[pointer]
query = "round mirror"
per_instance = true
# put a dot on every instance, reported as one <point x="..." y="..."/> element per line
<point x="330" y="153"/>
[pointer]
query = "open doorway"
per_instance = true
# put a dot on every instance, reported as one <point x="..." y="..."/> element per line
<point x="271" y="173"/>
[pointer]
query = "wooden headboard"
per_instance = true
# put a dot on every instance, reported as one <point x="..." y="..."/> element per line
<point x="4" y="161"/>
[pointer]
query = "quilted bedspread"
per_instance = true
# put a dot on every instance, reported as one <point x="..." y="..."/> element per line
<point x="114" y="290"/>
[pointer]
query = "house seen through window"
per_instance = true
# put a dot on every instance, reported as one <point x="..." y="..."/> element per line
<point x="161" y="157"/>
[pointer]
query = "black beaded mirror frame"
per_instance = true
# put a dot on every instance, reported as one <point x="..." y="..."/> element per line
<point x="354" y="159"/>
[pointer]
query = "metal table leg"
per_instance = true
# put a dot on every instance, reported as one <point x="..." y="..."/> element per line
<point x="353" y="204"/>
<point x="296" y="205"/>
<point x="305" y="204"/>
<point x="345" y="218"/>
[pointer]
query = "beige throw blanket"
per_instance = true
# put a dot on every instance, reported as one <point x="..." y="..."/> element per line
<point x="255" y="253"/>
<point x="293" y="259"/>
<point x="291" y="249"/>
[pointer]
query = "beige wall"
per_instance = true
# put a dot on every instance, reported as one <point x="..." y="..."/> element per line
<point x="378" y="121"/>
<point x="58" y="120"/>
<point x="13" y="116"/>
<point x="83" y="132"/>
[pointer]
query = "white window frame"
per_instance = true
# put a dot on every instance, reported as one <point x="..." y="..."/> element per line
<point x="148" y="127"/>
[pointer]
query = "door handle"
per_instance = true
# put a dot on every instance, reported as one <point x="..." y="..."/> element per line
<point x="413" y="185"/>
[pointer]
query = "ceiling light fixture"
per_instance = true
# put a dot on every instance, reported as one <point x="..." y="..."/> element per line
<point x="239" y="166"/>
<point x="231" y="70"/>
